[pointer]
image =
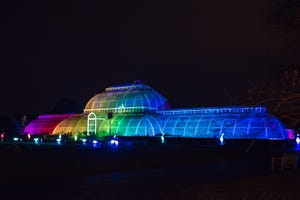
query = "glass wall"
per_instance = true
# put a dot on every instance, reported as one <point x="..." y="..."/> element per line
<point x="130" y="125"/>
<point x="73" y="126"/>
<point x="126" y="99"/>
<point x="242" y="125"/>
<point x="45" y="124"/>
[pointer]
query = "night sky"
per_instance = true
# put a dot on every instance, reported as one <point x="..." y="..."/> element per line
<point x="189" y="51"/>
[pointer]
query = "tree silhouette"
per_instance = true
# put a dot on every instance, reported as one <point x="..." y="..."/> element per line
<point x="281" y="96"/>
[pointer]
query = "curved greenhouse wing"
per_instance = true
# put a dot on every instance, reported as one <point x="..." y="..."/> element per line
<point x="45" y="124"/>
<point x="73" y="126"/>
<point x="234" y="126"/>
<point x="130" y="125"/>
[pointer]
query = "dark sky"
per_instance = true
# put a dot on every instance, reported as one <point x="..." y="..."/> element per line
<point x="188" y="50"/>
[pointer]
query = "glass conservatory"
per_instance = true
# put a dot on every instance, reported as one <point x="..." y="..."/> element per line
<point x="126" y="99"/>
<point x="130" y="125"/>
<point x="76" y="125"/>
<point x="139" y="110"/>
<point x="45" y="124"/>
<point x="237" y="123"/>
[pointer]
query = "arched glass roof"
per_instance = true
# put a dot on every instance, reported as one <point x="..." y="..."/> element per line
<point x="73" y="125"/>
<point x="130" y="125"/>
<point x="135" y="98"/>
<point x="45" y="124"/>
<point x="235" y="126"/>
<point x="139" y="110"/>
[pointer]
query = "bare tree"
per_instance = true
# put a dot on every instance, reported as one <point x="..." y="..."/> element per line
<point x="281" y="96"/>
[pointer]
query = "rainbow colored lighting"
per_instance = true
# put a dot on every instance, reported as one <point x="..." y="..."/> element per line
<point x="139" y="110"/>
<point x="133" y="98"/>
<point x="45" y="124"/>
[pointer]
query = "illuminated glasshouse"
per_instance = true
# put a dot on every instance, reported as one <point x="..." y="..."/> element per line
<point x="45" y="124"/>
<point x="139" y="110"/>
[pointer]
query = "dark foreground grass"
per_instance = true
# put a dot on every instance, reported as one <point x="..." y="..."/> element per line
<point x="35" y="162"/>
<point x="31" y="163"/>
<point x="279" y="186"/>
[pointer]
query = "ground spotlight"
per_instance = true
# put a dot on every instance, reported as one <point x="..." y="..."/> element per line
<point x="95" y="143"/>
<point x="162" y="138"/>
<point x="222" y="139"/>
<point x="58" y="140"/>
<point x="83" y="141"/>
<point x="298" y="139"/>
<point x="114" y="143"/>
<point x="36" y="140"/>
<point x="2" y="136"/>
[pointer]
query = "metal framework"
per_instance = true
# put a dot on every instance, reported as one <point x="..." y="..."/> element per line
<point x="139" y="110"/>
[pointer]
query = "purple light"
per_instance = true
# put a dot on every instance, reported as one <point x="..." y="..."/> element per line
<point x="45" y="124"/>
<point x="290" y="134"/>
<point x="60" y="116"/>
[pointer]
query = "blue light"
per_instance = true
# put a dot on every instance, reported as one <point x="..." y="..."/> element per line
<point x="95" y="143"/>
<point x="162" y="138"/>
<point x="298" y="139"/>
<point x="114" y="143"/>
<point x="222" y="139"/>
<point x="36" y="140"/>
<point x="16" y="139"/>
<point x="83" y="141"/>
<point x="58" y="140"/>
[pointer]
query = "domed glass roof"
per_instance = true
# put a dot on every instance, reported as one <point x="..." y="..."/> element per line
<point x="130" y="98"/>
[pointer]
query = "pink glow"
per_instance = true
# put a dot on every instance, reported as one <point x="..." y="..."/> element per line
<point x="290" y="134"/>
<point x="45" y="124"/>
